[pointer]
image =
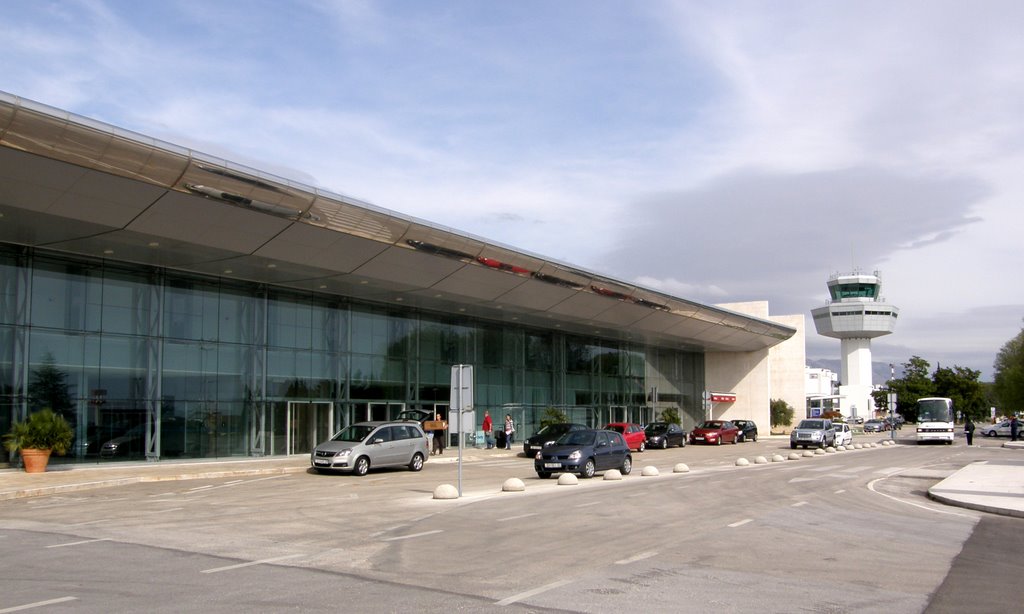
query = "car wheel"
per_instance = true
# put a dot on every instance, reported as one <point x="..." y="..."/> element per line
<point x="735" y="440"/>
<point x="362" y="466"/>
<point x="643" y="446"/>
<point x="588" y="469"/>
<point x="664" y="443"/>
<point x="990" y="434"/>
<point x="543" y="474"/>
<point x="718" y="441"/>
<point x="627" y="466"/>
<point x="741" y="437"/>
<point x="416" y="464"/>
<point x="755" y="438"/>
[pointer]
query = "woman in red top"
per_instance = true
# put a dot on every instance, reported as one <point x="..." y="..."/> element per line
<point x="487" y="428"/>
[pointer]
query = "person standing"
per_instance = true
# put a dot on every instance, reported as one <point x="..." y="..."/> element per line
<point x="510" y="428"/>
<point x="969" y="430"/>
<point x="1014" y="428"/>
<point x="438" y="436"/>
<point x="488" y="428"/>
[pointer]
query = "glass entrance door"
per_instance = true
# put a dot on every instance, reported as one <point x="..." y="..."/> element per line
<point x="309" y="423"/>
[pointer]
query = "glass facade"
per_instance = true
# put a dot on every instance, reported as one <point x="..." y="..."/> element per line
<point x="151" y="363"/>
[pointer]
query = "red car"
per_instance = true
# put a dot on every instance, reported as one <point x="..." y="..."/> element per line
<point x="634" y="434"/>
<point x="715" y="432"/>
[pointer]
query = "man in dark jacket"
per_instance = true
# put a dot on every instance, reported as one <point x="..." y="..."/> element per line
<point x="969" y="430"/>
<point x="1014" y="428"/>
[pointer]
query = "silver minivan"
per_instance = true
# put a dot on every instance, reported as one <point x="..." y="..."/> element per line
<point x="363" y="445"/>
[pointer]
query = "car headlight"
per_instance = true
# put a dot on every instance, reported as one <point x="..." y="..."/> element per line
<point x="343" y="453"/>
<point x="575" y="455"/>
<point x="539" y="455"/>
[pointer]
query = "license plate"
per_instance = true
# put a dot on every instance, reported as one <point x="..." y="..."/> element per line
<point x="699" y="438"/>
<point x="552" y="465"/>
<point x="535" y="447"/>
<point x="321" y="462"/>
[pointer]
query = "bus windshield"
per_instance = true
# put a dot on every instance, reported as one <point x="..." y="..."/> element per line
<point x="934" y="410"/>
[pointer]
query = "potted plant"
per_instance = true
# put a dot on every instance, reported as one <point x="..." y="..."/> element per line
<point x="37" y="436"/>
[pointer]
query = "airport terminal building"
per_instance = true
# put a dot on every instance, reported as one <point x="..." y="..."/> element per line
<point x="183" y="306"/>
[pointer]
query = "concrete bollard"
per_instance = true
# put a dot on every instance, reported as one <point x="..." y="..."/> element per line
<point x="760" y="460"/>
<point x="681" y="468"/>
<point x="819" y="451"/>
<point x="796" y="455"/>
<point x="568" y="479"/>
<point x="513" y="485"/>
<point x="840" y="448"/>
<point x="858" y="446"/>
<point x="446" y="491"/>
<point x="613" y="474"/>
<point x="650" y="470"/>
<point x="742" y="462"/>
<point x="830" y="450"/>
<point x="807" y="454"/>
<point x="778" y="458"/>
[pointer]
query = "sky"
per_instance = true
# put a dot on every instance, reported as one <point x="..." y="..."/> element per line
<point x="720" y="151"/>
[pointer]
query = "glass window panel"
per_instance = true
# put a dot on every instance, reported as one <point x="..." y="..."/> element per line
<point x="237" y="315"/>
<point x="66" y="296"/>
<point x="190" y="371"/>
<point x="126" y="303"/>
<point x="9" y="273"/>
<point x="289" y="322"/>
<point x="190" y="310"/>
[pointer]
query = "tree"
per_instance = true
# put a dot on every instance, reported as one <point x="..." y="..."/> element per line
<point x="782" y="413"/>
<point x="914" y="384"/>
<point x="1008" y="385"/>
<point x="48" y="387"/>
<point x="553" y="415"/>
<point x="962" y="386"/>
<point x="670" y="415"/>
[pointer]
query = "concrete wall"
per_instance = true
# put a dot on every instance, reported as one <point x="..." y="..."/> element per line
<point x="760" y="376"/>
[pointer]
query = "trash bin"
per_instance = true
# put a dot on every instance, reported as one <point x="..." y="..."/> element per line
<point x="499" y="438"/>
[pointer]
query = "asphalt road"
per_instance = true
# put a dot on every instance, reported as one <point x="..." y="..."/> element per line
<point x="845" y="532"/>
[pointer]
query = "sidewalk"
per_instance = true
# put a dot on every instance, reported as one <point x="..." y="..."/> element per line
<point x="995" y="486"/>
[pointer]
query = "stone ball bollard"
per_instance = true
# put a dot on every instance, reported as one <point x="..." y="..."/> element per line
<point x="568" y="479"/>
<point x="858" y="446"/>
<point x="819" y="451"/>
<point x="650" y="470"/>
<point x="840" y="448"/>
<point x="742" y="462"/>
<point x="446" y="491"/>
<point x="830" y="450"/>
<point x="796" y="455"/>
<point x="613" y="474"/>
<point x="513" y="485"/>
<point x="807" y="454"/>
<point x="760" y="460"/>
<point x="681" y="468"/>
<point x="778" y="458"/>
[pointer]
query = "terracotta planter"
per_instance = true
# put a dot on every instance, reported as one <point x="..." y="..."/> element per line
<point x="35" y="460"/>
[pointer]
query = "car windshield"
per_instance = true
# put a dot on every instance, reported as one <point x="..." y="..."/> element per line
<point x="355" y="432"/>
<point x="711" y="424"/>
<point x="933" y="410"/>
<point x="656" y="428"/>
<point x="811" y="424"/>
<point x="577" y="438"/>
<point x="553" y="430"/>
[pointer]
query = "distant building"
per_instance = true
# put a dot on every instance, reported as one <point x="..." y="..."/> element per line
<point x="821" y="387"/>
<point x="855" y="315"/>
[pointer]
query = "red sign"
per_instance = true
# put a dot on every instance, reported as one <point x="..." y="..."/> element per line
<point x="722" y="397"/>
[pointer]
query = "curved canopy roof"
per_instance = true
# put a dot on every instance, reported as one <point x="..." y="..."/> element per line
<point x="75" y="185"/>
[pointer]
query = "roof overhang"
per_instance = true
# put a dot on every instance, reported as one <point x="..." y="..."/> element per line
<point x="78" y="186"/>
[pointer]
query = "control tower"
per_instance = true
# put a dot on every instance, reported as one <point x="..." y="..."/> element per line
<point x="855" y="315"/>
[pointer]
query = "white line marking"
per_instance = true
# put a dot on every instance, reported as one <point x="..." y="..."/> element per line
<point x="392" y="539"/>
<point x="840" y="491"/>
<point x="250" y="564"/>
<point x="799" y="504"/>
<point x="200" y="488"/>
<point x="740" y="523"/>
<point x="636" y="557"/>
<point x="517" y="517"/>
<point x="889" y="471"/>
<point x="82" y="524"/>
<point x="38" y="604"/>
<point x="871" y="487"/>
<point x="173" y="509"/>
<point x="528" y="594"/>
<point x="588" y="504"/>
<point x="84" y="541"/>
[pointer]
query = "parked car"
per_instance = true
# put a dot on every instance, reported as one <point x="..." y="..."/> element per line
<point x="548" y="434"/>
<point x="876" y="426"/>
<point x="585" y="453"/>
<point x="844" y="435"/>
<point x="664" y="434"/>
<point x="358" y="447"/>
<point x="1001" y="429"/>
<point x="748" y="430"/>
<point x="633" y="433"/>
<point x="715" y="432"/>
<point x="817" y="432"/>
<point x="130" y="443"/>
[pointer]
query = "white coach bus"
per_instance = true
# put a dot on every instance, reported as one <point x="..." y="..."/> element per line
<point x="935" y="419"/>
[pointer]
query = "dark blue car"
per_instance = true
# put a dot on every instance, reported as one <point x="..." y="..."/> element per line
<point x="585" y="453"/>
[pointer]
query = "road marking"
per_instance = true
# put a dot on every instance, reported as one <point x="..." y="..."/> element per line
<point x="84" y="541"/>
<point x="38" y="604"/>
<point x="889" y="471"/>
<point x="799" y="504"/>
<point x="531" y="593"/>
<point x="392" y="539"/>
<point x="636" y="557"/>
<point x="795" y="480"/>
<point x="82" y="524"/>
<point x="197" y="488"/>
<point x="740" y="523"/>
<point x="871" y="487"/>
<point x="250" y="564"/>
<point x="166" y="511"/>
<point x="840" y="491"/>
<point x="588" y="504"/>
<point x="517" y="517"/>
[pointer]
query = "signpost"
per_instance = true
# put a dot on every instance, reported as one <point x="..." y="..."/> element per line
<point x="461" y="407"/>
